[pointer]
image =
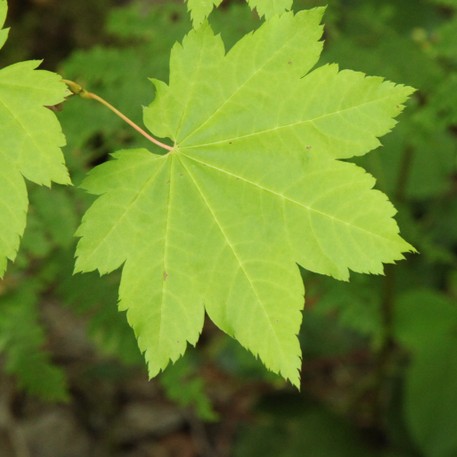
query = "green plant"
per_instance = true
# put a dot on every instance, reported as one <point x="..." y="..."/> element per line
<point x="387" y="318"/>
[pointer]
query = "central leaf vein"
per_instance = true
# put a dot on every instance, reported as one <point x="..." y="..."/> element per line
<point x="241" y="86"/>
<point x="277" y="128"/>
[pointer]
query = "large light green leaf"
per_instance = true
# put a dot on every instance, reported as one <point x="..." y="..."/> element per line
<point x="30" y="142"/>
<point x="251" y="188"/>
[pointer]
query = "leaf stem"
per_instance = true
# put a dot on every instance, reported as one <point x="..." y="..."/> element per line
<point x="79" y="90"/>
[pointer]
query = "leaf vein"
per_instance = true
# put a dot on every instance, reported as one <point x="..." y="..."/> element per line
<point x="285" y="126"/>
<point x="285" y="197"/>
<point x="236" y="255"/>
<point x="241" y="86"/>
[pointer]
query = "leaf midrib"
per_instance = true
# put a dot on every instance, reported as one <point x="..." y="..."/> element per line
<point x="287" y="126"/>
<point x="240" y="87"/>
<point x="125" y="212"/>
<point x="238" y="259"/>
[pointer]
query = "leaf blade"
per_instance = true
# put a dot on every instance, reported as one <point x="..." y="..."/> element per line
<point x="312" y="195"/>
<point x="255" y="190"/>
<point x="30" y="141"/>
<point x="153" y="265"/>
<point x="255" y="282"/>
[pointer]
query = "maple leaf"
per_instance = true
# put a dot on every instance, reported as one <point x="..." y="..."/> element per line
<point x="201" y="9"/>
<point x="30" y="142"/>
<point x="251" y="187"/>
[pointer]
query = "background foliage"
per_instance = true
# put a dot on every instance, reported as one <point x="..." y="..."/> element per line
<point x="379" y="374"/>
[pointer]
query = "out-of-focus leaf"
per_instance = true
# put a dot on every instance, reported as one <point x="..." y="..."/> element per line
<point x="184" y="385"/>
<point x="431" y="395"/>
<point x="22" y="341"/>
<point x="295" y="430"/>
<point x="422" y="315"/>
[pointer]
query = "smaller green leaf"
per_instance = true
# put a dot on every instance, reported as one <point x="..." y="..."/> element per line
<point x="431" y="397"/>
<point x="31" y="136"/>
<point x="30" y="142"/>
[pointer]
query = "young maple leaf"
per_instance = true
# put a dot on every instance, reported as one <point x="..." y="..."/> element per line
<point x="30" y="141"/>
<point x="252" y="186"/>
<point x="201" y="9"/>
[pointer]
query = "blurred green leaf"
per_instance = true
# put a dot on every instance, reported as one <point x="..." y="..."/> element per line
<point x="422" y="316"/>
<point x="431" y="396"/>
<point x="95" y="297"/>
<point x="22" y="340"/>
<point x="184" y="385"/>
<point x="292" y="430"/>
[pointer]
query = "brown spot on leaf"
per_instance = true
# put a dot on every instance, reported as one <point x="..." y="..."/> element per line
<point x="165" y="275"/>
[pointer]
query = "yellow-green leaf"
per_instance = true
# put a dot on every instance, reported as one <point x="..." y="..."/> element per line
<point x="252" y="187"/>
<point x="30" y="142"/>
